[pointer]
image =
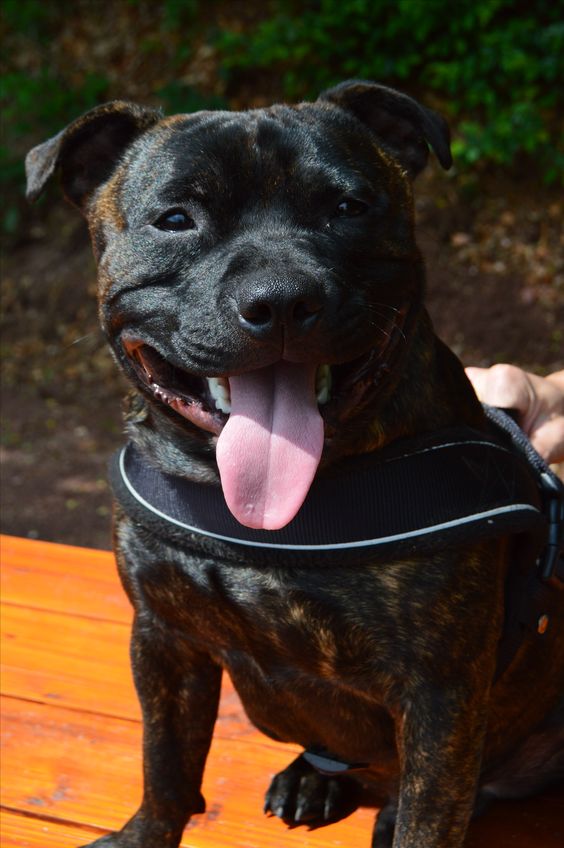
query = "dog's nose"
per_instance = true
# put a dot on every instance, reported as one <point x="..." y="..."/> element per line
<point x="265" y="309"/>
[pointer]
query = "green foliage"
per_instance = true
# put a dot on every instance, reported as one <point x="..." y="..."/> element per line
<point x="177" y="13"/>
<point x="43" y="101"/>
<point x="42" y="89"/>
<point x="494" y="66"/>
<point x="178" y="97"/>
<point x="27" y="16"/>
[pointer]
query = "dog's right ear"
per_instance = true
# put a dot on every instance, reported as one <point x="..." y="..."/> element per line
<point x="404" y="127"/>
<point x="88" y="150"/>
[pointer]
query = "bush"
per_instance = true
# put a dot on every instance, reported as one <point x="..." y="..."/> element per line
<point x="494" y="66"/>
<point x="64" y="58"/>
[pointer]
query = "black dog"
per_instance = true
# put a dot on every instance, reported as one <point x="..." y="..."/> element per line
<point x="261" y="287"/>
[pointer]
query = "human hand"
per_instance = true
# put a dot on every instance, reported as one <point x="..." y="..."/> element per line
<point x="538" y="400"/>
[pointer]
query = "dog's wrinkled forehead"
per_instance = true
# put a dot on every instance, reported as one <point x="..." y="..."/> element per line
<point x="338" y="136"/>
<point x="266" y="154"/>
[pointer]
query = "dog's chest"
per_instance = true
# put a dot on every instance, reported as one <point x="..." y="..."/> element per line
<point x="326" y="624"/>
<point x="307" y="658"/>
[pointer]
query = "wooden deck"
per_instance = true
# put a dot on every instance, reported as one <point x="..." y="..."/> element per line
<point x="71" y="729"/>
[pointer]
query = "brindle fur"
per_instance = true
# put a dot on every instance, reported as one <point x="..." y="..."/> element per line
<point x="392" y="663"/>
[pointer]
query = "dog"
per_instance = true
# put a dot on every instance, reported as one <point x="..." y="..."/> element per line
<point x="261" y="287"/>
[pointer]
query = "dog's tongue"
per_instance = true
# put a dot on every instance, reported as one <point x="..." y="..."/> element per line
<point x="270" y="447"/>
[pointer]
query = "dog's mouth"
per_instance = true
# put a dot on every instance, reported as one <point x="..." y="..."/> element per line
<point x="269" y="421"/>
<point x="205" y="401"/>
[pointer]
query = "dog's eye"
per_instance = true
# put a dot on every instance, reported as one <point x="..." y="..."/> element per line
<point x="174" y="221"/>
<point x="350" y="207"/>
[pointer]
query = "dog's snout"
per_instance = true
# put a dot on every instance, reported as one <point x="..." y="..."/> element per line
<point x="266" y="309"/>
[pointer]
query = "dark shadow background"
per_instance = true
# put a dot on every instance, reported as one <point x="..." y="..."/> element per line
<point x="491" y="229"/>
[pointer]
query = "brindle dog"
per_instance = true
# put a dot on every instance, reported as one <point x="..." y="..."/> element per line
<point x="261" y="287"/>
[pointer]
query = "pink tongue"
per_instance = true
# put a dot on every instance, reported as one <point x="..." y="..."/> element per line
<point x="269" y="450"/>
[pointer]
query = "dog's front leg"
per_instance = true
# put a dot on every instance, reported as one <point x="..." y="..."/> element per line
<point x="440" y="738"/>
<point x="179" y="694"/>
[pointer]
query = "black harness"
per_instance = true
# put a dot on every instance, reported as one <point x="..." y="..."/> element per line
<point x="418" y="495"/>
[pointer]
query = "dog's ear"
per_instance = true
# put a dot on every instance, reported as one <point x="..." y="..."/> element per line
<point x="88" y="150"/>
<point x="403" y="126"/>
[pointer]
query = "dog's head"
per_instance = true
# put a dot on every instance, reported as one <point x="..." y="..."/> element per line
<point x="258" y="270"/>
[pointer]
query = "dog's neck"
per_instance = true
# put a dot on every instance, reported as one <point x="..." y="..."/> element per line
<point x="428" y="392"/>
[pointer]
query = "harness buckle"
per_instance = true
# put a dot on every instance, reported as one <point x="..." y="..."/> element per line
<point x="551" y="564"/>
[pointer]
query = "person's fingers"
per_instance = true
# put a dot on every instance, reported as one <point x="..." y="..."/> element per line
<point x="539" y="401"/>
<point x="548" y="440"/>
<point x="505" y="386"/>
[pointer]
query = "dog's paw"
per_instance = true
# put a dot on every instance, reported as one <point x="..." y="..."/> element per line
<point x="300" y="795"/>
<point x="383" y="835"/>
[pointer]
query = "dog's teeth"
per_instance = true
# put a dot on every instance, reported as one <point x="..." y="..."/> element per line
<point x="223" y="406"/>
<point x="219" y="390"/>
<point x="323" y="384"/>
<point x="161" y="394"/>
<point x="323" y="395"/>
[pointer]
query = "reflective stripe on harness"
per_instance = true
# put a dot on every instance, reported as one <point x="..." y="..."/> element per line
<point x="514" y="511"/>
<point x="415" y="495"/>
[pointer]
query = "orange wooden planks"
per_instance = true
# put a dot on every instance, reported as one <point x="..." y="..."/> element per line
<point x="84" y="664"/>
<point x="71" y="736"/>
<point x="22" y="831"/>
<point x="86" y="768"/>
<point x="62" y="578"/>
<point x="77" y="662"/>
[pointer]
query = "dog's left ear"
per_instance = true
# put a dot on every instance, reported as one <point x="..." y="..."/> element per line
<point x="403" y="126"/>
<point x="88" y="150"/>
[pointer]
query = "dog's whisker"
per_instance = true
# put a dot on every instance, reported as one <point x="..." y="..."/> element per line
<point x="378" y="305"/>
<point x="82" y="339"/>
<point x="372" y="309"/>
<point x="380" y="329"/>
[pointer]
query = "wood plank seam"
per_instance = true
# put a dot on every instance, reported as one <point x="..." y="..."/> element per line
<point x="45" y="702"/>
<point x="45" y="817"/>
<point x="226" y="736"/>
<point x="98" y="619"/>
